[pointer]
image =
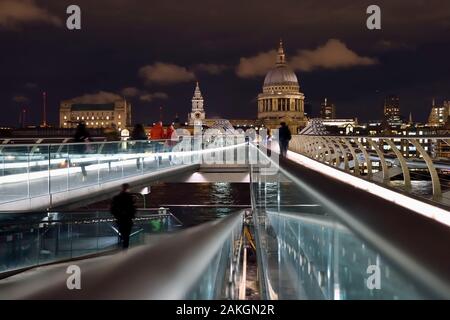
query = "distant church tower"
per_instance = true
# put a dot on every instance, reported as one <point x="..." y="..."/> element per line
<point x="197" y="115"/>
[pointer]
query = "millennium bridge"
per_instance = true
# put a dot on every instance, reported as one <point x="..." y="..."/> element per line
<point x="340" y="217"/>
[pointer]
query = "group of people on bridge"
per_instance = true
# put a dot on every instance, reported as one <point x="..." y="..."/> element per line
<point x="158" y="133"/>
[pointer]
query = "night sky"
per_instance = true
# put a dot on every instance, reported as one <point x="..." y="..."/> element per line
<point x="154" y="51"/>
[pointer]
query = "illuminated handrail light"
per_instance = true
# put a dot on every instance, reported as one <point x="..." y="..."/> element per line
<point x="425" y="209"/>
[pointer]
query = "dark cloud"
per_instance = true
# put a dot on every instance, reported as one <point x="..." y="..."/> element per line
<point x="257" y="65"/>
<point x="99" y="97"/>
<point x="179" y="42"/>
<point x="334" y="54"/>
<point x="31" y="85"/>
<point x="211" y="68"/>
<point x="165" y="73"/>
<point x="148" y="97"/>
<point x="130" y="92"/>
<point x="14" y="13"/>
<point x="20" y="99"/>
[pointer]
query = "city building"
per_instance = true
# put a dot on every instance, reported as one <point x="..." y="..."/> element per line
<point x="197" y="114"/>
<point x="392" y="114"/>
<point x="95" y="115"/>
<point x="327" y="110"/>
<point x="281" y="99"/>
<point x="340" y="126"/>
<point x="439" y="114"/>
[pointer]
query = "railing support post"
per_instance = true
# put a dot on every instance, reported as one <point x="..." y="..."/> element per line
<point x="437" y="192"/>
<point x="404" y="165"/>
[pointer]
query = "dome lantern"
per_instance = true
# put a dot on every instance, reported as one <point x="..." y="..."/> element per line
<point x="281" y="57"/>
<point x="281" y="74"/>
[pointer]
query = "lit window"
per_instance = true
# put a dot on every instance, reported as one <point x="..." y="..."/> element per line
<point x="65" y="117"/>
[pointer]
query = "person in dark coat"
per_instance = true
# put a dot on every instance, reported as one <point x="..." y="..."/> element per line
<point x="139" y="136"/>
<point x="284" y="135"/>
<point x="269" y="142"/>
<point x="124" y="210"/>
<point x="81" y="137"/>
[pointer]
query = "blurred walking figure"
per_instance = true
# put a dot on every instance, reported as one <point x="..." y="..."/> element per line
<point x="139" y="136"/>
<point x="112" y="137"/>
<point x="284" y="135"/>
<point x="269" y="142"/>
<point x="170" y="133"/>
<point x="124" y="210"/>
<point x="157" y="131"/>
<point x="82" y="137"/>
<point x="172" y="138"/>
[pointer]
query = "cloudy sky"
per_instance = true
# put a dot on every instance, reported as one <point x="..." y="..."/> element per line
<point x="152" y="52"/>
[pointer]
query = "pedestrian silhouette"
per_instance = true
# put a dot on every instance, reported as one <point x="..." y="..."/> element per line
<point x="82" y="137"/>
<point x="284" y="135"/>
<point x="269" y="142"/>
<point x="124" y="210"/>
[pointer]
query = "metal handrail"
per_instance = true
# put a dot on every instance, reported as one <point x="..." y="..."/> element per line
<point x="323" y="148"/>
<point x="377" y="136"/>
<point x="140" y="211"/>
<point x="81" y="143"/>
<point x="425" y="266"/>
<point x="177" y="139"/>
<point x="166" y="271"/>
<point x="67" y="167"/>
<point x="83" y="220"/>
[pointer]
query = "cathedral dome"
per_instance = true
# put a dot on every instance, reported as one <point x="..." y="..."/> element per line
<point x="281" y="74"/>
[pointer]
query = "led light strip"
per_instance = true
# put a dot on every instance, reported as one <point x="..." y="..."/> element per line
<point x="425" y="209"/>
<point x="127" y="159"/>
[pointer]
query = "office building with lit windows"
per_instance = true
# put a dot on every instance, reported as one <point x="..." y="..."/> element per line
<point x="327" y="110"/>
<point x="95" y="115"/>
<point x="439" y="114"/>
<point x="392" y="110"/>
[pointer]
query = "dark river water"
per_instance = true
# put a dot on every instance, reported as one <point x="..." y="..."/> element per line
<point x="192" y="203"/>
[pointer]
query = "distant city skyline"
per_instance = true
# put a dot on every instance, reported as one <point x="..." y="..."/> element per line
<point x="153" y="53"/>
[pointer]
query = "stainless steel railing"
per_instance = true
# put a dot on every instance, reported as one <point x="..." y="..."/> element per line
<point x="199" y="262"/>
<point x="32" y="171"/>
<point x="381" y="159"/>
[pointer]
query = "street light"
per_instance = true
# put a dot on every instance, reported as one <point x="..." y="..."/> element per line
<point x="143" y="193"/>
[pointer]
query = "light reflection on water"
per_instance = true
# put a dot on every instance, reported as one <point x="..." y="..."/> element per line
<point x="220" y="194"/>
<point x="418" y="187"/>
<point x="182" y="198"/>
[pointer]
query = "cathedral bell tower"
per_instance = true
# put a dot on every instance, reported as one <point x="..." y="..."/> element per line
<point x="197" y="114"/>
